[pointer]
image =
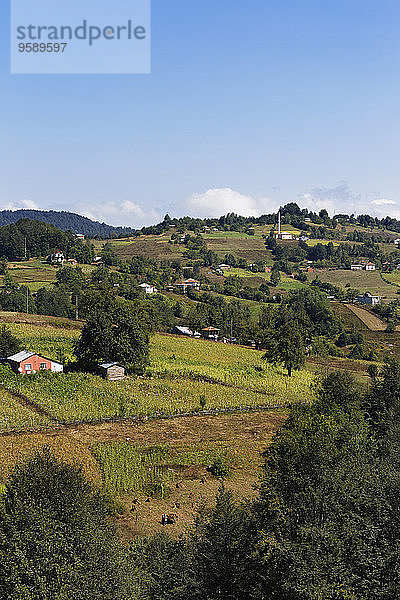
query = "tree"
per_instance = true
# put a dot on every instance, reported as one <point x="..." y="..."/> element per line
<point x="275" y="277"/>
<point x="55" y="539"/>
<point x="121" y="334"/>
<point x="286" y="345"/>
<point x="327" y="505"/>
<point x="221" y="551"/>
<point x="9" y="343"/>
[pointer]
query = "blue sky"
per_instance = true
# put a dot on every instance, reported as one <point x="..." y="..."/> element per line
<point x="249" y="105"/>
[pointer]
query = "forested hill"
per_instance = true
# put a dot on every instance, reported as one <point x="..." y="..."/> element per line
<point x="65" y="220"/>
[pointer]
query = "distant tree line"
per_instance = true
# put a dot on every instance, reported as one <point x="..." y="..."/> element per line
<point x="66" y="221"/>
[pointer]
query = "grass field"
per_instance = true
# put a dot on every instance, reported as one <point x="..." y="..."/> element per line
<point x="364" y="281"/>
<point x="151" y="246"/>
<point x="394" y="277"/>
<point x="14" y="415"/>
<point x="323" y="242"/>
<point x="181" y="371"/>
<point x="251" y="248"/>
<point x="17" y="448"/>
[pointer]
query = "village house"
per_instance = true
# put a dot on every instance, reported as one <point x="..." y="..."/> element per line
<point x="370" y="266"/>
<point x="112" y="371"/>
<point x="148" y="289"/>
<point x="57" y="258"/>
<point x="356" y="267"/>
<point x="80" y="236"/>
<point x="224" y="267"/>
<point x="25" y="363"/>
<point x="368" y="298"/>
<point x="210" y="333"/>
<point x="183" y="286"/>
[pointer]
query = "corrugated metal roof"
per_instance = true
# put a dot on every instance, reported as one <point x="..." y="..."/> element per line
<point x="23" y="355"/>
<point x="108" y="365"/>
<point x="185" y="330"/>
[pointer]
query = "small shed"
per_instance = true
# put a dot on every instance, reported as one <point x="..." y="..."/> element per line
<point x="112" y="371"/>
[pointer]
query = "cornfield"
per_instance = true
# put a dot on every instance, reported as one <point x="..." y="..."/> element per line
<point x="182" y="372"/>
<point x="127" y="469"/>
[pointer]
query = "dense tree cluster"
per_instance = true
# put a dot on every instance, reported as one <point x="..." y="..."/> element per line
<point x="66" y="221"/>
<point x="27" y="238"/>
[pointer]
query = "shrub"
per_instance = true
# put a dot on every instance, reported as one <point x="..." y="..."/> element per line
<point x="220" y="467"/>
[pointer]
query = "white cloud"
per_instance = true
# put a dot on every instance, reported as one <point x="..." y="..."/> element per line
<point x="219" y="201"/>
<point x="125" y="213"/>
<point x="20" y="204"/>
<point x="383" y="202"/>
<point x="337" y="199"/>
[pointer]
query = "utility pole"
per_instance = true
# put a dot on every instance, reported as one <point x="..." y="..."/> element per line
<point x="25" y="248"/>
<point x="76" y="308"/>
<point x="27" y="300"/>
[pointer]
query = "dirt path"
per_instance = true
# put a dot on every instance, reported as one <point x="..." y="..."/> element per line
<point x="27" y="403"/>
<point x="371" y="321"/>
<point x="251" y="425"/>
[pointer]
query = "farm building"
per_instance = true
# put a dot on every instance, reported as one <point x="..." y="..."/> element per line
<point x="210" y="333"/>
<point x="370" y="266"/>
<point x="112" y="371"/>
<point x="148" y="289"/>
<point x="25" y="363"/>
<point x="368" y="298"/>
<point x="224" y="267"/>
<point x="356" y="267"/>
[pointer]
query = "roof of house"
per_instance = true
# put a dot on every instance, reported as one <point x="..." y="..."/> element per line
<point x="210" y="329"/>
<point x="109" y="365"/>
<point x="184" y="330"/>
<point x="146" y="285"/>
<point x="25" y="354"/>
<point x="20" y="356"/>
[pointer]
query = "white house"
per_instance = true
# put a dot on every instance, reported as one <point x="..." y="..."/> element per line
<point x="368" y="298"/>
<point x="356" y="267"/>
<point x="148" y="289"/>
<point x="370" y="266"/>
<point x="282" y="235"/>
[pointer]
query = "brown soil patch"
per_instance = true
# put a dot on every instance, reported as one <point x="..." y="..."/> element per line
<point x="371" y="321"/>
<point x="17" y="448"/>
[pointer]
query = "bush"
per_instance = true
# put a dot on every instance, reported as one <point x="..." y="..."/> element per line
<point x="220" y="467"/>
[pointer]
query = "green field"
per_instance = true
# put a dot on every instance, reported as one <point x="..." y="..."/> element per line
<point x="323" y="242"/>
<point x="393" y="277"/>
<point x="14" y="415"/>
<point x="364" y="281"/>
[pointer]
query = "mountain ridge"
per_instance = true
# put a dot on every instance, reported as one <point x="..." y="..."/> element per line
<point x="65" y="220"/>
